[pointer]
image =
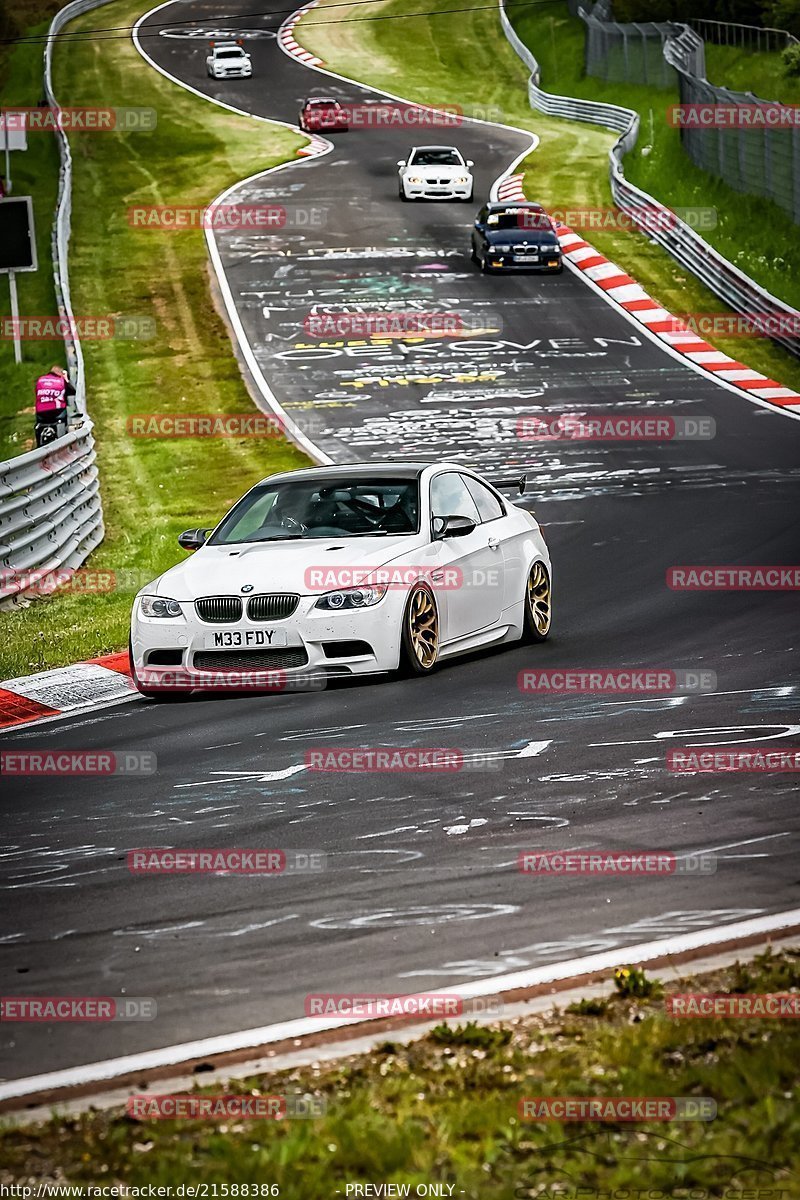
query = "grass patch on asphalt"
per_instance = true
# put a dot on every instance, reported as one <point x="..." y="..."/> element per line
<point x="152" y="488"/>
<point x="445" y="1110"/>
<point x="464" y="59"/>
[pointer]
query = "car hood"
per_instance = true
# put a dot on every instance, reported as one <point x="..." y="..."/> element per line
<point x="277" y="566"/>
<point x="534" y="237"/>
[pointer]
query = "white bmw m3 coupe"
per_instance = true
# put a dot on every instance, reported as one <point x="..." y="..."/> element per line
<point x="344" y="570"/>
<point x="435" y="173"/>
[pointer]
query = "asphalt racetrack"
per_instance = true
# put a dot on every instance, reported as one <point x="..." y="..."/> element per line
<point x="421" y="889"/>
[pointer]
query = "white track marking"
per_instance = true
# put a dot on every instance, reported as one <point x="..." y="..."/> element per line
<point x="205" y="1048"/>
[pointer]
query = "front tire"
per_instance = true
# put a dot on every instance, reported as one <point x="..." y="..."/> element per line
<point x="419" y="637"/>
<point x="538" y="604"/>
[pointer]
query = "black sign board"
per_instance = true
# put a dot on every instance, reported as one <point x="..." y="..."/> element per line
<point x="17" y="238"/>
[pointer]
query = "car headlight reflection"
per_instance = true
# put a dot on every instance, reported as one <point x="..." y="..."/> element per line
<point x="159" y="606"/>
<point x="363" y="597"/>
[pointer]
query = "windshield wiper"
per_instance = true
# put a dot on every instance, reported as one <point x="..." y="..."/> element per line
<point x="286" y="537"/>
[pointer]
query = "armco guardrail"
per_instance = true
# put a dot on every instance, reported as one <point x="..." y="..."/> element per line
<point x="745" y="37"/>
<point x="51" y="517"/>
<point x="743" y="294"/>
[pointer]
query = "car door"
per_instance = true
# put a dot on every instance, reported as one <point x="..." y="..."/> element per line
<point x="506" y="537"/>
<point x="478" y="240"/>
<point x="473" y="596"/>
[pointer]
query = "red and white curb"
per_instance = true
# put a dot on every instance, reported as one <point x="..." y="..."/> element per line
<point x="317" y="145"/>
<point x="629" y="295"/>
<point x="286" y="40"/>
<point x="510" y="188"/>
<point x="65" y="689"/>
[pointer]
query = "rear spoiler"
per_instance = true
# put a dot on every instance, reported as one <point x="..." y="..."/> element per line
<point x="518" y="483"/>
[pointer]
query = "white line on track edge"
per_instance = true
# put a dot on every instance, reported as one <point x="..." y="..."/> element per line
<point x="169" y="1056"/>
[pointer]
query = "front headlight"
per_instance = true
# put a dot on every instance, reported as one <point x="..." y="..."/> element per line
<point x="414" y="179"/>
<point x="502" y="249"/>
<point x="463" y="179"/>
<point x="363" y="597"/>
<point x="159" y="606"/>
<point x="551" y="249"/>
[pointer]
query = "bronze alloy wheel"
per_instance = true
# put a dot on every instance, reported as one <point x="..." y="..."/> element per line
<point x="420" y="632"/>
<point x="538" y="603"/>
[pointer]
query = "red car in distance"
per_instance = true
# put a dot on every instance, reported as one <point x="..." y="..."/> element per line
<point x="323" y="112"/>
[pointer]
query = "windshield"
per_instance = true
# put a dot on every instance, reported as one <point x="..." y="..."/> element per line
<point x="436" y="158"/>
<point x="322" y="508"/>
<point x="230" y="54"/>
<point x="323" y="104"/>
<point x="520" y="218"/>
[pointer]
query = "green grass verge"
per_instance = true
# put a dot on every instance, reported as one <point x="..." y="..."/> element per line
<point x="752" y="71"/>
<point x="152" y="489"/>
<point x="34" y="173"/>
<point x="444" y="1110"/>
<point x="667" y="173"/>
<point x="464" y="59"/>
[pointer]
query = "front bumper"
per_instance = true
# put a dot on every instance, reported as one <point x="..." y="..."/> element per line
<point x="427" y="191"/>
<point x="179" y="654"/>
<point x="507" y="262"/>
<point x="237" y="73"/>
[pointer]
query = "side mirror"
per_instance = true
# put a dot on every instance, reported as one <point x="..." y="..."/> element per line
<point x="193" y="539"/>
<point x="401" y="162"/>
<point x="470" y="163"/>
<point x="479" y="225"/>
<point x="445" y="527"/>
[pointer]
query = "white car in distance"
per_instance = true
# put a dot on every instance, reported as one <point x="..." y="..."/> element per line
<point x="436" y="173"/>
<point x="228" y="60"/>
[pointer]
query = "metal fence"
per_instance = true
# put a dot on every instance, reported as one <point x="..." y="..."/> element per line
<point x="50" y="512"/>
<point x="740" y="292"/>
<point x="745" y="37"/>
<point x="629" y="53"/>
<point x="750" y="143"/>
